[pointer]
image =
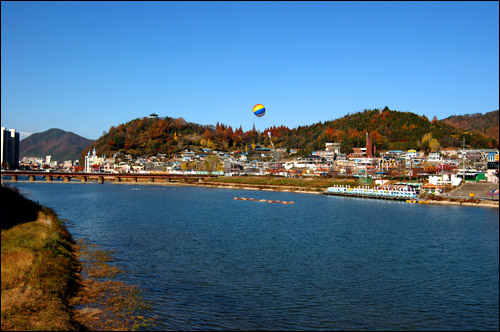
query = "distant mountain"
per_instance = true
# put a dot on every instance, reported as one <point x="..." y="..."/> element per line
<point x="61" y="145"/>
<point x="484" y="123"/>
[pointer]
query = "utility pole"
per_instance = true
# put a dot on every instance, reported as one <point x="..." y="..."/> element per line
<point x="463" y="168"/>
<point x="463" y="158"/>
<point x="274" y="149"/>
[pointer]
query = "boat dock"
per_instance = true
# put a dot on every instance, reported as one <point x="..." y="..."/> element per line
<point x="393" y="198"/>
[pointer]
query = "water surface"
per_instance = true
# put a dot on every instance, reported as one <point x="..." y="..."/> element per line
<point x="207" y="261"/>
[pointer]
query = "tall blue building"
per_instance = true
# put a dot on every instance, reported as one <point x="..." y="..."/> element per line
<point x="10" y="148"/>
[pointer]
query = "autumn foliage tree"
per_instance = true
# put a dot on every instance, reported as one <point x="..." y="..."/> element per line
<point x="389" y="130"/>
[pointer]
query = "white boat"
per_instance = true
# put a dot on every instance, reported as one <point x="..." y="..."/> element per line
<point x="372" y="192"/>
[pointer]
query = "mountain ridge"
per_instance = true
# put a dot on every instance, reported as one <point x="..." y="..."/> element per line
<point x="480" y="122"/>
<point x="389" y="130"/>
<point x="60" y="144"/>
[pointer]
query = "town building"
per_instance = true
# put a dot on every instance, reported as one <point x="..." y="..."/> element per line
<point x="93" y="163"/>
<point x="370" y="148"/>
<point x="434" y="157"/>
<point x="10" y="148"/>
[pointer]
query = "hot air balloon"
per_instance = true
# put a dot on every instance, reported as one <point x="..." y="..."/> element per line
<point x="259" y="110"/>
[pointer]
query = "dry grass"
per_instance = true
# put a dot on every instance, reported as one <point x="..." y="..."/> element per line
<point x="15" y="265"/>
<point x="36" y="277"/>
<point x="96" y="262"/>
<point x="102" y="303"/>
<point x="37" y="293"/>
<point x="42" y="287"/>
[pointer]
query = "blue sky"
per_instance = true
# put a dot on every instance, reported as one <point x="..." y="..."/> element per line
<point x="87" y="66"/>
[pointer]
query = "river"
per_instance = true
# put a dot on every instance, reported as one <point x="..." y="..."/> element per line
<point x="209" y="262"/>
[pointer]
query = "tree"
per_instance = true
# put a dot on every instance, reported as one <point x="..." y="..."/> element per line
<point x="207" y="143"/>
<point x="434" y="145"/>
<point x="346" y="145"/>
<point x="429" y="144"/>
<point x="211" y="163"/>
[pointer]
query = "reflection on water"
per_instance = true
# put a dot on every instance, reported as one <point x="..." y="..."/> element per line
<point x="207" y="261"/>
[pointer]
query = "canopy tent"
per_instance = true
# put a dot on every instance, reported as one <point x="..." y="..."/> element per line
<point x="494" y="192"/>
<point x="394" y="187"/>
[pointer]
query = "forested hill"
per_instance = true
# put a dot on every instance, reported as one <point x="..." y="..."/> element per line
<point x="390" y="129"/>
<point x="485" y="123"/>
<point x="397" y="130"/>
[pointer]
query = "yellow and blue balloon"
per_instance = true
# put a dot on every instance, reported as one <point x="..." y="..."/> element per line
<point x="259" y="110"/>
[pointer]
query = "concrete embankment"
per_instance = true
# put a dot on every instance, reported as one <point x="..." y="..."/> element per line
<point x="481" y="203"/>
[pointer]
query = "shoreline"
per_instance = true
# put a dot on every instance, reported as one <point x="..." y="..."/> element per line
<point x="75" y="280"/>
<point x="264" y="187"/>
<point x="483" y="203"/>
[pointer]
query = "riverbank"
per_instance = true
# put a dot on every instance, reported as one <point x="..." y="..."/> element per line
<point x="318" y="188"/>
<point x="321" y="190"/>
<point x="39" y="267"/>
<point x="50" y="282"/>
<point x="479" y="203"/>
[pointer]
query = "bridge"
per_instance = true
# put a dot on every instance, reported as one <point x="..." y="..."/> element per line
<point x="101" y="177"/>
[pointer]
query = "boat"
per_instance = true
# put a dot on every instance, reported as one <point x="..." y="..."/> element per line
<point x="393" y="192"/>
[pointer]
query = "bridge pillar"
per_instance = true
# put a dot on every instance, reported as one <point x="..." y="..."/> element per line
<point x="31" y="178"/>
<point x="134" y="179"/>
<point x="118" y="179"/>
<point x="100" y="179"/>
<point x="14" y="178"/>
<point x="48" y="178"/>
<point x="66" y="178"/>
<point x="83" y="179"/>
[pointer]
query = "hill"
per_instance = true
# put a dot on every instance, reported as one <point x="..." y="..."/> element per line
<point x="389" y="130"/>
<point x="61" y="145"/>
<point x="395" y="130"/>
<point x="485" y="123"/>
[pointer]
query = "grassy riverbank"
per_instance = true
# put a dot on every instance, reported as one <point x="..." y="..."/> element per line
<point x="307" y="184"/>
<point x="39" y="269"/>
<point x="49" y="282"/>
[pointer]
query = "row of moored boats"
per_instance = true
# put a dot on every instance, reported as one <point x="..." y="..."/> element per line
<point x="263" y="200"/>
<point x="402" y="192"/>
